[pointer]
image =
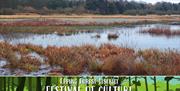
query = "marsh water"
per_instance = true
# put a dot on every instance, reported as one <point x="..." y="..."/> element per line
<point x="128" y="36"/>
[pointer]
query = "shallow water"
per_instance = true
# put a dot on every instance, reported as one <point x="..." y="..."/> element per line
<point x="128" y="37"/>
<point x="44" y="68"/>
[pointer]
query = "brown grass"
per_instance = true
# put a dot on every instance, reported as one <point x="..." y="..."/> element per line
<point x="95" y="67"/>
<point x="27" y="48"/>
<point x="162" y="31"/>
<point x="34" y="29"/>
<point x="29" y="64"/>
<point x="25" y="62"/>
<point x="5" y="48"/>
<point x="73" y="60"/>
<point x="58" y="21"/>
<point x="63" y="23"/>
<point x="107" y="50"/>
<point x="150" y="17"/>
<point x="107" y="59"/>
<point x="162" y="63"/>
<point x="118" y="65"/>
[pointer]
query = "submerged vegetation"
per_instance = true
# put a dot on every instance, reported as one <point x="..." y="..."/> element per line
<point x="107" y="59"/>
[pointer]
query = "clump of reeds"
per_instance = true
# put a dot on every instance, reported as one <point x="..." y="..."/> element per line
<point x="119" y="65"/>
<point x="29" y="63"/>
<point x="73" y="60"/>
<point x="5" y="49"/>
<point x="26" y="63"/>
<point x="16" y="57"/>
<point x="162" y="63"/>
<point x="107" y="50"/>
<point x="27" y="48"/>
<point x="112" y="36"/>
<point x="140" y="69"/>
<point x="162" y="31"/>
<point x="95" y="67"/>
<point x="13" y="60"/>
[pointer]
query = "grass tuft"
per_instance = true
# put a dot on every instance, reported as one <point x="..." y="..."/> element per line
<point x="162" y="31"/>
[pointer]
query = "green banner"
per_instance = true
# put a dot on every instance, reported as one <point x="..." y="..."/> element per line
<point x="91" y="83"/>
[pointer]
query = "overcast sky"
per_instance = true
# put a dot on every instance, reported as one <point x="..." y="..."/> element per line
<point x="154" y="1"/>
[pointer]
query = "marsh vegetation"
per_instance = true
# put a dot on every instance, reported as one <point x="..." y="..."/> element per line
<point x="56" y="47"/>
<point x="162" y="31"/>
<point x="107" y="59"/>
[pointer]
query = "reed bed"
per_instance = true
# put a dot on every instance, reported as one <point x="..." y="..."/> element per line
<point x="59" y="26"/>
<point x="56" y="22"/>
<point x="107" y="59"/>
<point x="17" y="57"/>
<point x="146" y="17"/>
<point x="34" y="29"/>
<point x="60" y="30"/>
<point x="26" y="63"/>
<point x="162" y="31"/>
<point x="161" y="63"/>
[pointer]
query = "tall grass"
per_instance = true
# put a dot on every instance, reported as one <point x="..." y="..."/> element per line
<point x="157" y="62"/>
<point x="162" y="31"/>
<point x="107" y="59"/>
<point x="17" y="57"/>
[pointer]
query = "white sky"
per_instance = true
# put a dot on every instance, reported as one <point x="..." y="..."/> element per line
<point x="154" y="1"/>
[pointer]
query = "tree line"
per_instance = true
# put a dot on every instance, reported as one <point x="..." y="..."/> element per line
<point x="87" y="6"/>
